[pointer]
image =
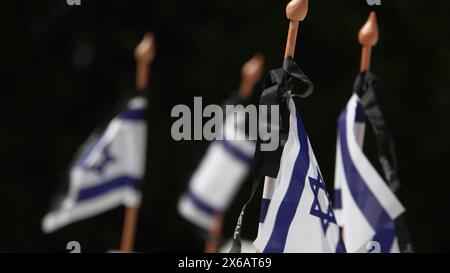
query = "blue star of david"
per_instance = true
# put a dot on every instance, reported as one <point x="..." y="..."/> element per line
<point x="105" y="160"/>
<point x="326" y="217"/>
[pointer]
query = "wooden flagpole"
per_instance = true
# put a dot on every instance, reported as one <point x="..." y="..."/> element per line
<point x="144" y="54"/>
<point x="251" y="73"/>
<point x="296" y="11"/>
<point x="368" y="37"/>
<point x="213" y="241"/>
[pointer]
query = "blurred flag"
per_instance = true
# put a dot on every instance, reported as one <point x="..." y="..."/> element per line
<point x="296" y="212"/>
<point x="366" y="207"/>
<point x="220" y="174"/>
<point x="107" y="171"/>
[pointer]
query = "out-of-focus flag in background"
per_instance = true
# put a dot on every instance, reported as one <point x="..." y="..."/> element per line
<point x="107" y="170"/>
<point x="220" y="174"/>
<point x="371" y="216"/>
<point x="227" y="162"/>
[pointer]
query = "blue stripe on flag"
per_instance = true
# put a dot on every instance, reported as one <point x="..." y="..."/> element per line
<point x="107" y="186"/>
<point x="265" y="202"/>
<point x="288" y="206"/>
<point x="337" y="199"/>
<point x="200" y="204"/>
<point x="133" y="114"/>
<point x="387" y="234"/>
<point x="373" y="211"/>
<point x="235" y="152"/>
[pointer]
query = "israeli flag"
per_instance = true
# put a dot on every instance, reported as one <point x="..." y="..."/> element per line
<point x="220" y="174"/>
<point x="107" y="172"/>
<point x="365" y="206"/>
<point x="296" y="212"/>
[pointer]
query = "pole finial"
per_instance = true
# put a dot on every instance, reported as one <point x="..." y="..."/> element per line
<point x="368" y="34"/>
<point x="251" y="73"/>
<point x="145" y="51"/>
<point x="368" y="37"/>
<point x="144" y="54"/>
<point x="297" y="10"/>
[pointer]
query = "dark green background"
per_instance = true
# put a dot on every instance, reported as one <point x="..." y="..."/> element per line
<point x="64" y="69"/>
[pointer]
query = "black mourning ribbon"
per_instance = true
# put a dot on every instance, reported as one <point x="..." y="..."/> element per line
<point x="365" y="87"/>
<point x="279" y="85"/>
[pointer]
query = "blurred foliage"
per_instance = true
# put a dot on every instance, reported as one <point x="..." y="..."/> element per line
<point x="65" y="67"/>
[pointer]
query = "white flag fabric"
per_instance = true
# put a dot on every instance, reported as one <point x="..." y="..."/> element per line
<point x="220" y="174"/>
<point x="297" y="215"/>
<point x="365" y="206"/>
<point x="108" y="170"/>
